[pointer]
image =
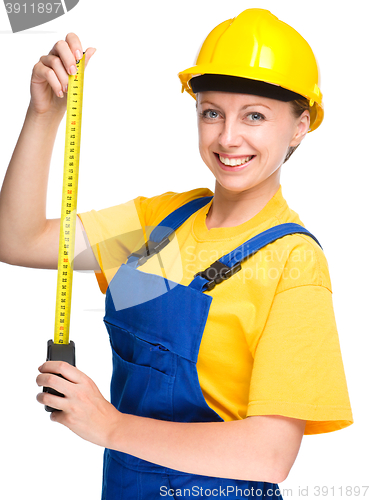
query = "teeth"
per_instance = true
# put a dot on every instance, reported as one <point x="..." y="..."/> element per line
<point x="232" y="162"/>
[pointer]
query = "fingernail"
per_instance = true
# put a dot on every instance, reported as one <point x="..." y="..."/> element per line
<point x="60" y="94"/>
<point x="72" y="70"/>
<point x="78" y="55"/>
<point x="65" y="88"/>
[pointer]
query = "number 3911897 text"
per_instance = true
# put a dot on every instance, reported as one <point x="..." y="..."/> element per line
<point x="33" y="8"/>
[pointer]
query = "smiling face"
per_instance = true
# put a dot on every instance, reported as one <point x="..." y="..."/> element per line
<point x="244" y="139"/>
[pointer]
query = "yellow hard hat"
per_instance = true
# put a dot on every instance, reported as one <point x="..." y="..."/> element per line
<point x="259" y="47"/>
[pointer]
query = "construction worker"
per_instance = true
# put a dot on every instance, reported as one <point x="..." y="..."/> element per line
<point x="218" y="304"/>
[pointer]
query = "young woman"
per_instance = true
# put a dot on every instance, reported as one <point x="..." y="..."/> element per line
<point x="218" y="305"/>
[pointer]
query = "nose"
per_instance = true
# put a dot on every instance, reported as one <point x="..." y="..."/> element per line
<point x="230" y="135"/>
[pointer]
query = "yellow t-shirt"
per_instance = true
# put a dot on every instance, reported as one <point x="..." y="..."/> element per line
<point x="270" y="345"/>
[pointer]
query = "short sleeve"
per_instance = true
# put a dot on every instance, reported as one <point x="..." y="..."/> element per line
<point x="115" y="232"/>
<point x="298" y="369"/>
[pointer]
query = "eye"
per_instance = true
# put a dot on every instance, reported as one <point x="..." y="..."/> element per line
<point x="255" y="117"/>
<point x="210" y="114"/>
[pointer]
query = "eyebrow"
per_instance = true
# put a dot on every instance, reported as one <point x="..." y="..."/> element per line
<point x="244" y="107"/>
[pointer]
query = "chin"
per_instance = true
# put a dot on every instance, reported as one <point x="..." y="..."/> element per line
<point x="234" y="187"/>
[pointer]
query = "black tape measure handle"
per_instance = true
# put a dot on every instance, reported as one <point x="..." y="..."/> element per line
<point x="59" y="352"/>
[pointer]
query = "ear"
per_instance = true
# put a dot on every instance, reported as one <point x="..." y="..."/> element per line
<point x="302" y="127"/>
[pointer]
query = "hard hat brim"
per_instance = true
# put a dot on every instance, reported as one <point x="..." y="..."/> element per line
<point x="227" y="83"/>
<point x="316" y="106"/>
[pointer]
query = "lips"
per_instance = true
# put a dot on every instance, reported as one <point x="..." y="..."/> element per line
<point x="229" y="162"/>
<point x="233" y="162"/>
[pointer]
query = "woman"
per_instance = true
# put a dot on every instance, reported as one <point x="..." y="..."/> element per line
<point x="218" y="309"/>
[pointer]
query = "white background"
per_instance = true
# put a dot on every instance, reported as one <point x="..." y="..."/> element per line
<point x="139" y="138"/>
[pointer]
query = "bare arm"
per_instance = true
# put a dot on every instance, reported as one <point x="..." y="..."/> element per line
<point x="27" y="238"/>
<point x="258" y="448"/>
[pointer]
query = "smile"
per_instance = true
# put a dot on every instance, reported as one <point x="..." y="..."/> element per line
<point x="233" y="163"/>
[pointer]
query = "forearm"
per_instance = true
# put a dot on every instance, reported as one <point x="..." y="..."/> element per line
<point x="251" y="449"/>
<point x="23" y="194"/>
<point x="258" y="448"/>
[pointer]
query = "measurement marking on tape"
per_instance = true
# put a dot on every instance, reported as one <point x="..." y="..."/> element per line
<point x="69" y="205"/>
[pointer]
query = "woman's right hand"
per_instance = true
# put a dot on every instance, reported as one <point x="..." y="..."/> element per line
<point x="49" y="79"/>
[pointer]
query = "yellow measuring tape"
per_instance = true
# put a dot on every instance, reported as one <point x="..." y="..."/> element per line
<point x="62" y="349"/>
<point x="69" y="205"/>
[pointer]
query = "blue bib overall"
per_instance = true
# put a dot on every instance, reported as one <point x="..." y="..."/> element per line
<point x="155" y="327"/>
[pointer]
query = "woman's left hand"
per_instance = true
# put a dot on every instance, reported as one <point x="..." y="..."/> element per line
<point x="83" y="409"/>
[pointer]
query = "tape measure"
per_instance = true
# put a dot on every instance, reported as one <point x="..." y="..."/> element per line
<point x="69" y="205"/>
<point x="62" y="349"/>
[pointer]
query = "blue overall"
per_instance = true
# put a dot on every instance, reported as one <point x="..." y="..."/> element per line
<point x="155" y="328"/>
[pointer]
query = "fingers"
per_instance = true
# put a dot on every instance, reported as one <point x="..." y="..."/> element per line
<point x="62" y="51"/>
<point x="56" y="67"/>
<point x="42" y="74"/>
<point x="69" y="372"/>
<point x="52" y="381"/>
<point x="88" y="54"/>
<point x="69" y="50"/>
<point x="75" y="45"/>
<point x="49" y="378"/>
<point x="47" y="399"/>
<point x="53" y="71"/>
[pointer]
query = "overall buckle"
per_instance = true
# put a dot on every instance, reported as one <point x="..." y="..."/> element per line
<point x="218" y="272"/>
<point x="148" y="249"/>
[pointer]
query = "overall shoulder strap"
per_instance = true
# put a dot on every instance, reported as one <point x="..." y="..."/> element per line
<point x="174" y="220"/>
<point x="159" y="237"/>
<point x="230" y="263"/>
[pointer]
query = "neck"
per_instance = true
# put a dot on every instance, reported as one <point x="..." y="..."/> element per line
<point x="230" y="209"/>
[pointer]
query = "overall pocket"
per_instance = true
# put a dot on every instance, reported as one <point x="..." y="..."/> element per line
<point x="141" y="390"/>
<point x="143" y="375"/>
<point x="138" y="387"/>
<point x="139" y="350"/>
